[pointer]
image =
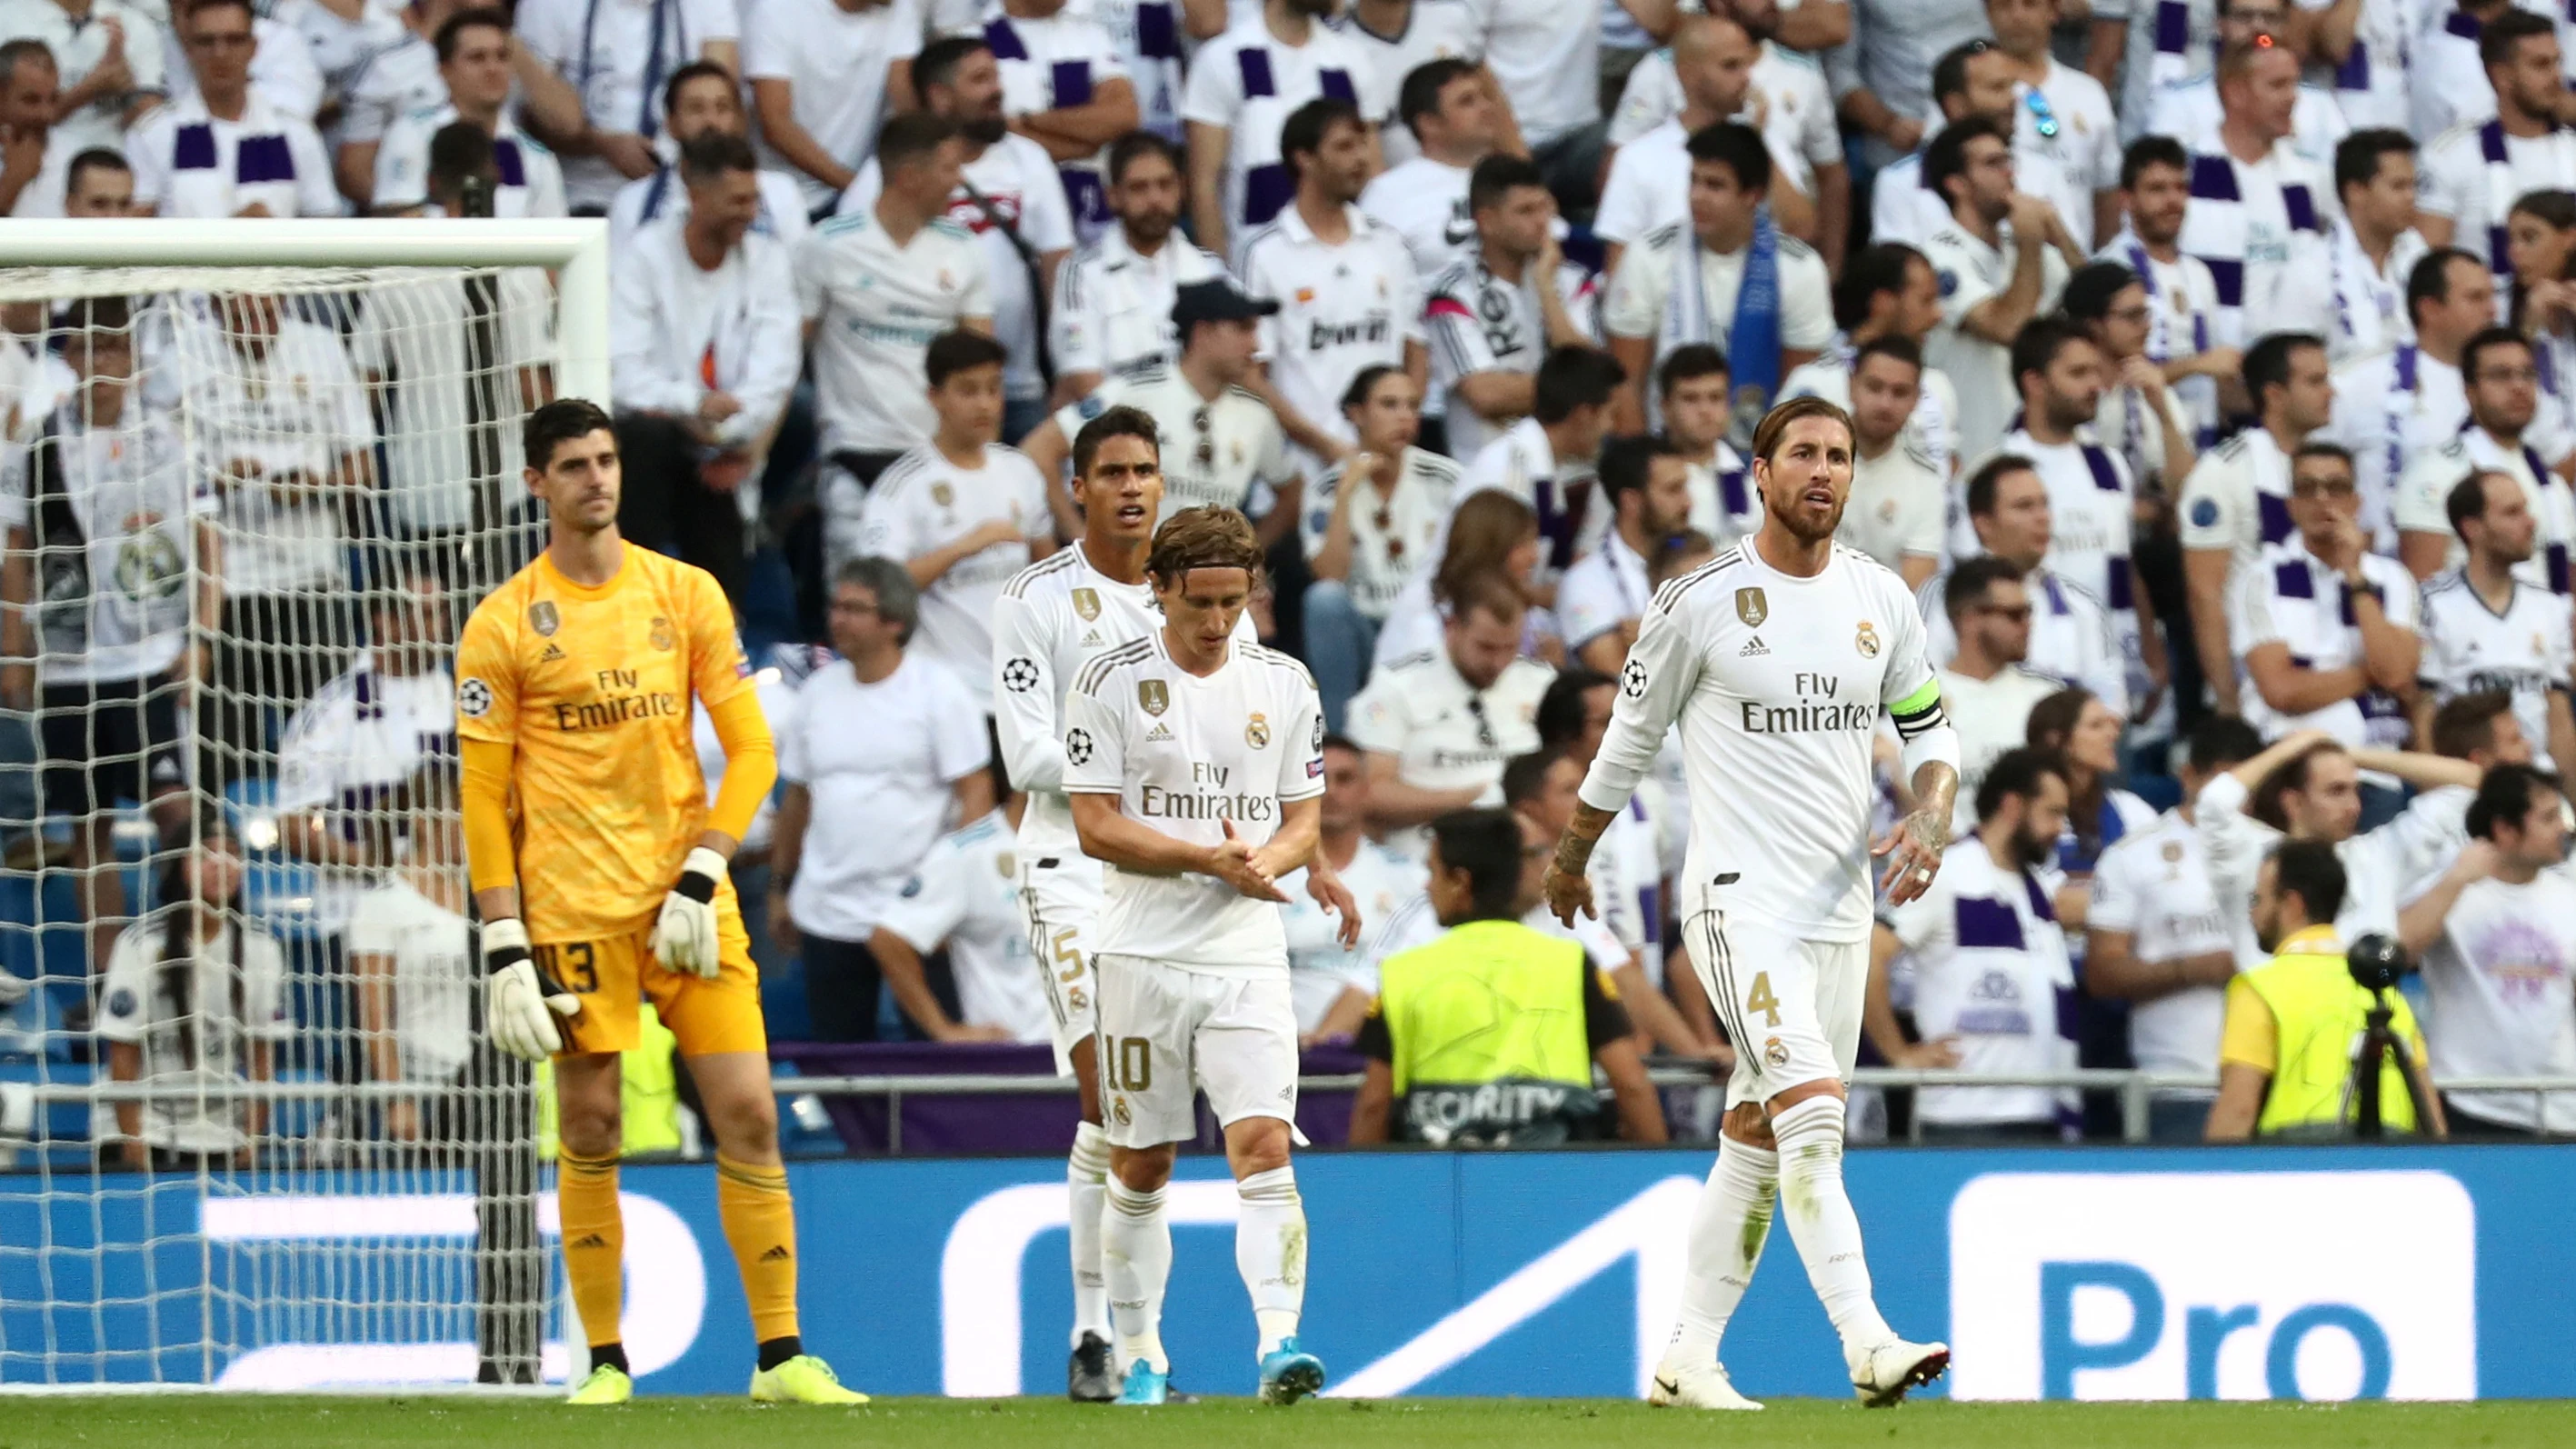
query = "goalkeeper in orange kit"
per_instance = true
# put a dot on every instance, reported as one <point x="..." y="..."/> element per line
<point x="600" y="872"/>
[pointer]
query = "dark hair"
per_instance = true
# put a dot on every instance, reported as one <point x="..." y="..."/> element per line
<point x="1950" y="72"/>
<point x="696" y="70"/>
<point x="2466" y="725"/>
<point x="2036" y="345"/>
<point x="2267" y="362"/>
<point x="1497" y="177"/>
<point x="1486" y="844"/>
<point x="1574" y="377"/>
<point x="1525" y="775"/>
<point x="1989" y="477"/>
<point x="196" y="7"/>
<point x="2310" y="870"/>
<point x="1560" y="711"/>
<point x="2467" y="499"/>
<point x="1135" y="146"/>
<point x="2292" y="775"/>
<point x="1888" y="345"/>
<point x="911" y="138"/>
<point x="1419" y="95"/>
<point x="1365" y="381"/>
<point x="2553" y="209"/>
<point x="1971" y="578"/>
<point x="937" y="63"/>
<point x="177" y="977"/>
<point x="1121" y="421"/>
<point x="1203" y="538"/>
<point x="93" y="159"/>
<point x="2223" y="741"/>
<point x="714" y="154"/>
<point x="18" y="52"/>
<point x="2016" y="772"/>
<point x="1627" y="463"/>
<point x="1774" y="427"/>
<point x="898" y="598"/>
<point x="2487" y="339"/>
<point x="2051" y="728"/>
<point x="2500" y="35"/>
<point x="457" y="150"/>
<point x="2089" y="291"/>
<point x="2358" y="156"/>
<point x="1738" y="148"/>
<point x="1878" y="267"/>
<point x="1690" y="360"/>
<point x="2505" y="796"/>
<point x="2149" y="151"/>
<point x="1304" y="131"/>
<point x="1946" y="159"/>
<point x="451" y="31"/>
<point x="961" y="350"/>
<point x="2319" y="448"/>
<point x="560" y="422"/>
<point x="2430" y="281"/>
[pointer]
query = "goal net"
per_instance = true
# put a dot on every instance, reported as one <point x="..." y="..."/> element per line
<point x="255" y="476"/>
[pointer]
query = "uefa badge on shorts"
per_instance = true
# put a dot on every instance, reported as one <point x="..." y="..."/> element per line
<point x="1752" y="607"/>
<point x="1153" y="695"/>
<point x="543" y="618"/>
<point x="664" y="638"/>
<point x="1256" y="732"/>
<point x="1086" y="602"/>
<point x="1866" y="641"/>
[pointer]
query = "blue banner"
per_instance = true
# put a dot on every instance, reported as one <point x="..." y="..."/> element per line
<point x="2081" y="1273"/>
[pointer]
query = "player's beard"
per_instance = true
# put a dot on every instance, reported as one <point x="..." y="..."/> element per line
<point x="985" y="130"/>
<point x="1793" y="518"/>
<point x="2030" y="850"/>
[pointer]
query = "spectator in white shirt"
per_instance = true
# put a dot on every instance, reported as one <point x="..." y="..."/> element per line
<point x="1450" y="107"/>
<point x="1883" y="72"/>
<point x="1009" y="196"/>
<point x="954" y="945"/>
<point x="1372" y="525"/>
<point x="1894" y="513"/>
<point x="705" y="345"/>
<point x="1887" y="290"/>
<point x="2140" y="419"/>
<point x="2182" y="297"/>
<point x="2072" y="638"/>
<point x="1604" y="595"/>
<point x="109" y="57"/>
<point x="1973" y="82"/>
<point x="2375" y="245"/>
<point x="2473" y="174"/>
<point x="864" y="805"/>
<point x="474" y="63"/>
<point x="1332" y="985"/>
<point x="227" y="151"/>
<point x="2188" y="109"/>
<point x="1713" y="59"/>
<point x="2002" y="261"/>
<point x="962" y="513"/>
<point x="1989" y="610"/>
<point x="1347" y="294"/>
<point x="99" y="186"/>
<point x="2500" y="970"/>
<point x="1546" y="55"/>
<point x="698" y="98"/>
<point x="1546" y="460"/>
<point x="1728" y="278"/>
<point x="389" y="69"/>
<point x="2485" y="629"/>
<point x="2411" y="401"/>
<point x="1244" y="85"/>
<point x="824" y="74"/>
<point x="1113" y="302"/>
<point x="1065" y="87"/>
<point x="411" y="950"/>
<point x="1400" y="37"/>
<point x="1438" y="726"/>
<point x="612" y="52"/>
<point x="2060" y="112"/>
<point x="2540" y="241"/>
<point x="2451" y="86"/>
<point x="1990" y="966"/>
<point x="2498" y="368"/>
<point x="34" y="153"/>
<point x="1494" y="314"/>
<point x="1489" y="533"/>
<point x="2324" y="629"/>
<point x="2236" y="500"/>
<point x="876" y="284"/>
<point x="1698" y="406"/>
<point x="2259" y="208"/>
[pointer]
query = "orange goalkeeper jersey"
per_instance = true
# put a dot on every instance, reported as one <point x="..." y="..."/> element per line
<point x="591" y="687"/>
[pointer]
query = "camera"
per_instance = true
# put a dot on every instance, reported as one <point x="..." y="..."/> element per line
<point x="2377" y="963"/>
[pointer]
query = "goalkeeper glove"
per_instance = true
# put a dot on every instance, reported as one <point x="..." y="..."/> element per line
<point x="684" y="939"/>
<point x="519" y="1006"/>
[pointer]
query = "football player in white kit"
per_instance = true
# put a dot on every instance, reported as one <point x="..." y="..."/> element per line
<point x="1194" y="765"/>
<point x="1052" y="618"/>
<point x="1776" y="660"/>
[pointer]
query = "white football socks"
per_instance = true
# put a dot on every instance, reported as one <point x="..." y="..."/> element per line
<point x="1086" y="1180"/>
<point x="1726" y="1237"/>
<point x="1821" y="1221"/>
<point x="1270" y="1252"/>
<point x="1136" y="1259"/>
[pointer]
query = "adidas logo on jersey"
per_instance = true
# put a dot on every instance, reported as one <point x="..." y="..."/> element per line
<point x="1091" y="639"/>
<point x="553" y="653"/>
<point x="1754" y="650"/>
<point x="1158" y="732"/>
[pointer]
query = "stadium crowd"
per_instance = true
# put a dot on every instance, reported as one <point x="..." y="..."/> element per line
<point x="2212" y="363"/>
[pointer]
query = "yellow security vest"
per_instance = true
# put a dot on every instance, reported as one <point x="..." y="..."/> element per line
<point x="2318" y="1013"/>
<point x="1487" y="1029"/>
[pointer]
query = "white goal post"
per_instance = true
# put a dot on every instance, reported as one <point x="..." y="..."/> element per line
<point x="253" y="1142"/>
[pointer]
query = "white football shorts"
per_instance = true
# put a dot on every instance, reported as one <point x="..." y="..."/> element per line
<point x="1167" y="1033"/>
<point x="1060" y="896"/>
<point x="1791" y="1006"/>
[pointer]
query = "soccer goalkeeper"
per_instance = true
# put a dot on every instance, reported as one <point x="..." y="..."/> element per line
<point x="610" y="887"/>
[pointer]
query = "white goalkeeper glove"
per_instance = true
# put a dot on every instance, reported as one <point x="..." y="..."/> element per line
<point x="519" y="1006"/>
<point x="684" y="939"/>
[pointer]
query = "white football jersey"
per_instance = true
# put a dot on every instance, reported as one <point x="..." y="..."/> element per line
<point x="1444" y="733"/>
<point x="1778" y="684"/>
<point x="965" y="895"/>
<point x="1191" y="756"/>
<point x="2525" y="650"/>
<point x="2154" y="887"/>
<point x="2293" y="599"/>
<point x="2423" y="501"/>
<point x="2499" y="979"/>
<point x="2072" y="640"/>
<point x="2390" y="409"/>
<point x="1990" y="964"/>
<point x="923" y="503"/>
<point x="1227" y="451"/>
<point x="1342" y="308"/>
<point x="1392" y="535"/>
<point x="2473" y="175"/>
<point x="2237" y="497"/>
<point x="1969" y="272"/>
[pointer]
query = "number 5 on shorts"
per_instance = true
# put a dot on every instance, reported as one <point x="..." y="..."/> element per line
<point x="1066" y="956"/>
<point x="1761" y="999"/>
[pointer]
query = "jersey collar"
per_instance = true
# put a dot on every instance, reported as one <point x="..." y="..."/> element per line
<point x="2312" y="941"/>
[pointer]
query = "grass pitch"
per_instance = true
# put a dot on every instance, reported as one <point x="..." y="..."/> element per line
<point x="182" y="1422"/>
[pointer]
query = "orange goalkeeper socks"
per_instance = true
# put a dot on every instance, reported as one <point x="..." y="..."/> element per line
<point x="594" y="1242"/>
<point x="760" y="1224"/>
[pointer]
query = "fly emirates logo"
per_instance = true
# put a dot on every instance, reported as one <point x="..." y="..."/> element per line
<point x="1816" y="712"/>
<point x="1209" y="799"/>
<point x="621" y="698"/>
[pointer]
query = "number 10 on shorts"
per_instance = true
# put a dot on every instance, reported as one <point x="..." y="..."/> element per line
<point x="1129" y="1060"/>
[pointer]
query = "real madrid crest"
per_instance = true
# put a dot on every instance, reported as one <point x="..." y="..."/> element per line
<point x="543" y="618"/>
<point x="1752" y="607"/>
<point x="1256" y="731"/>
<point x="1007" y="864"/>
<point x="1086" y="602"/>
<point x="942" y="494"/>
<point x="1866" y="641"/>
<point x="1153" y="695"/>
<point x="664" y="636"/>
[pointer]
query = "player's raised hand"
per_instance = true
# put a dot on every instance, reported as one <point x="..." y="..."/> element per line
<point x="1231" y="860"/>
<point x="1913" y="854"/>
<point x="519" y="1006"/>
<point x="1336" y="899"/>
<point x="684" y="939"/>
